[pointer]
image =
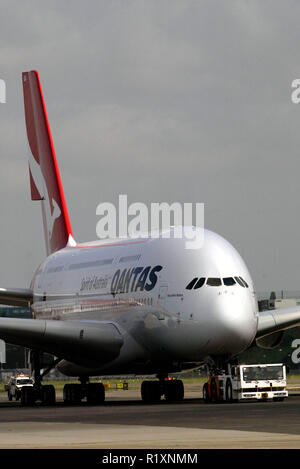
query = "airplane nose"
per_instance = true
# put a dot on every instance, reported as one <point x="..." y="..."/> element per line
<point x="236" y="321"/>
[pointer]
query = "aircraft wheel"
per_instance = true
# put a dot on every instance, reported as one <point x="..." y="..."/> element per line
<point x="174" y="390"/>
<point x="27" y="396"/>
<point x="72" y="393"/>
<point x="67" y="394"/>
<point x="150" y="391"/>
<point x="75" y="393"/>
<point x="95" y="393"/>
<point x="48" y="395"/>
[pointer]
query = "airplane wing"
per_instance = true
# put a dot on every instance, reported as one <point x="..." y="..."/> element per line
<point x="277" y="320"/>
<point x="81" y="342"/>
<point x="16" y="296"/>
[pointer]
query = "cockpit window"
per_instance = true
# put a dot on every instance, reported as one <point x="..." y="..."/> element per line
<point x="244" y="282"/>
<point x="214" y="282"/>
<point x="200" y="282"/>
<point x="228" y="281"/>
<point x="239" y="281"/>
<point x="191" y="284"/>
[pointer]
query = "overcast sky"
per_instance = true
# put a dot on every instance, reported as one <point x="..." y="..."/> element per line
<point x="168" y="100"/>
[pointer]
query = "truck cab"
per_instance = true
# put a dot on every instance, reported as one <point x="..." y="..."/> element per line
<point x="15" y="385"/>
<point x="247" y="382"/>
<point x="263" y="381"/>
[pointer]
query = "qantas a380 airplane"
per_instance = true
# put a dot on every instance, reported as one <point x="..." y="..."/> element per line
<point x="132" y="306"/>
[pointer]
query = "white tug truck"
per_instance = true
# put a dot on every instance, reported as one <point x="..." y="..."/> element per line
<point x="247" y="382"/>
<point x="15" y="385"/>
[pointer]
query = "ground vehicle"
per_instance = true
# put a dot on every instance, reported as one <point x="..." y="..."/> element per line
<point x="15" y="385"/>
<point x="244" y="382"/>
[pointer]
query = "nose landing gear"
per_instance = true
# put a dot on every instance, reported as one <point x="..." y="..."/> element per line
<point x="171" y="389"/>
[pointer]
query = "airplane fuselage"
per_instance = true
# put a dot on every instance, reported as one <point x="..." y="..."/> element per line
<point x="139" y="285"/>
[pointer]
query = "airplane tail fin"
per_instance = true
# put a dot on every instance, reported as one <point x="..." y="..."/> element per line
<point x="44" y="174"/>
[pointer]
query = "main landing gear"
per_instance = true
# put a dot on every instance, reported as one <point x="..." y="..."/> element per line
<point x="38" y="392"/>
<point x="72" y="393"/>
<point x="152" y="391"/>
<point x="93" y="392"/>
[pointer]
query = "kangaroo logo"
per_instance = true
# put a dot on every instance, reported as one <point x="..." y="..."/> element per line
<point x="52" y="208"/>
<point x="54" y="215"/>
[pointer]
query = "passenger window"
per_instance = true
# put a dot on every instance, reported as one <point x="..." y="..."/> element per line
<point x="244" y="282"/>
<point x="191" y="284"/>
<point x="199" y="284"/>
<point x="214" y="282"/>
<point x="228" y="281"/>
<point x="239" y="282"/>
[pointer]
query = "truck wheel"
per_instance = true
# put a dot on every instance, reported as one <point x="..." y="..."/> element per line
<point x="213" y="391"/>
<point x="228" y="392"/>
<point x="205" y="392"/>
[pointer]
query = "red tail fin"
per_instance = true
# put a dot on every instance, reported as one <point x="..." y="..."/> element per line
<point x="45" y="180"/>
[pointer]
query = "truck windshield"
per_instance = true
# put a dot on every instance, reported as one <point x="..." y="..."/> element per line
<point x="256" y="373"/>
<point x="24" y="381"/>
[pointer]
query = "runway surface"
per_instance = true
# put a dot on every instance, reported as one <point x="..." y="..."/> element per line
<point x="125" y="422"/>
